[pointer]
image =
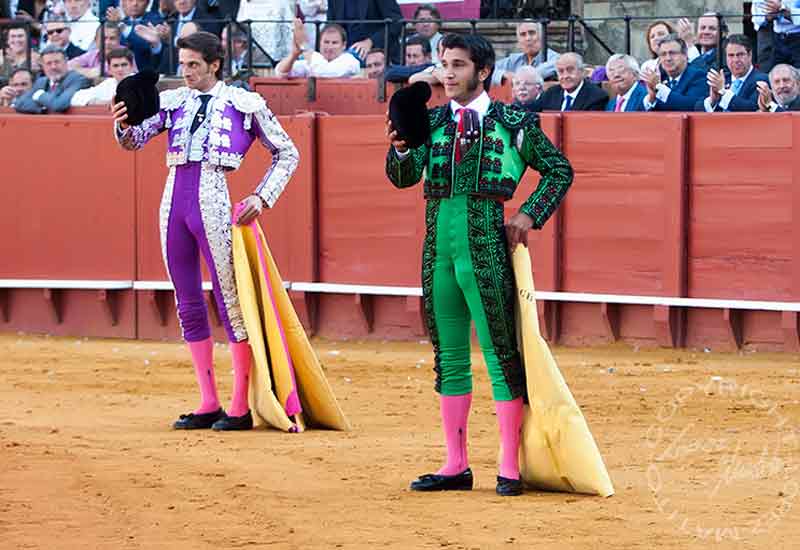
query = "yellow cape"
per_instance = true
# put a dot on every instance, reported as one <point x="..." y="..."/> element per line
<point x="287" y="385"/>
<point x="557" y="450"/>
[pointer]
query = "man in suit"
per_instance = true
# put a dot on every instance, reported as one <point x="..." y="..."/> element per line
<point x="737" y="91"/>
<point x="195" y="12"/>
<point x="623" y="76"/>
<point x="132" y="14"/>
<point x="683" y="85"/>
<point x="530" y="54"/>
<point x="362" y="37"/>
<point x="785" y="93"/>
<point x="702" y="47"/>
<point x="52" y="92"/>
<point x="58" y="35"/>
<point x="573" y="92"/>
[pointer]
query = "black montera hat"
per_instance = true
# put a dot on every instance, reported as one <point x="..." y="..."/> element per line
<point x="408" y="112"/>
<point x="140" y="95"/>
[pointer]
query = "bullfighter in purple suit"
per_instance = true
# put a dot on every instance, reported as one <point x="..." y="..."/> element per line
<point x="210" y="127"/>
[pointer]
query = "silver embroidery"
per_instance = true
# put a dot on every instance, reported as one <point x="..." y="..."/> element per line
<point x="163" y="213"/>
<point x="135" y="137"/>
<point x="215" y="210"/>
<point x="284" y="156"/>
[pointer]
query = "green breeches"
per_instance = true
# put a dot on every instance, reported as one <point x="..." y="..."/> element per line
<point x="467" y="276"/>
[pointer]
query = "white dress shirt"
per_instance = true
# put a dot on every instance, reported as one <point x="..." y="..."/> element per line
<point x="102" y="94"/>
<point x="573" y="94"/>
<point x="83" y="30"/>
<point x="344" y="66"/>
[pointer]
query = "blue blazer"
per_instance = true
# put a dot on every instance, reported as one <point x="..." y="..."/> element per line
<point x="691" y="87"/>
<point x="747" y="98"/>
<point x="635" y="102"/>
<point x="145" y="58"/>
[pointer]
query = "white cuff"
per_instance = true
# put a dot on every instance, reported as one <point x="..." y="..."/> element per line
<point x="647" y="105"/>
<point x="37" y="94"/>
<point x="662" y="92"/>
<point x="726" y="99"/>
<point x="403" y="155"/>
<point x="773" y="107"/>
<point x="707" y="105"/>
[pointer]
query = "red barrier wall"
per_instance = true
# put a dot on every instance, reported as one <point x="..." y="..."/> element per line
<point x="688" y="205"/>
<point x="67" y="211"/>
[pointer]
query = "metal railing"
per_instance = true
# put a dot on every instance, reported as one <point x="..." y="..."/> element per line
<point x="401" y="31"/>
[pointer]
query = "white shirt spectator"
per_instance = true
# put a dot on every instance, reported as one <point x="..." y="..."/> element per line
<point x="83" y="30"/>
<point x="102" y="94"/>
<point x="344" y="66"/>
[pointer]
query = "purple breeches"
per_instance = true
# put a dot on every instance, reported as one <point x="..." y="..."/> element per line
<point x="195" y="220"/>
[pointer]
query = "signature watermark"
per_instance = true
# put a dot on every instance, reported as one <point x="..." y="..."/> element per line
<point x="721" y="462"/>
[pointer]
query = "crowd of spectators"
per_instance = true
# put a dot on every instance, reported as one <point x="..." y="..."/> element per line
<point x="101" y="41"/>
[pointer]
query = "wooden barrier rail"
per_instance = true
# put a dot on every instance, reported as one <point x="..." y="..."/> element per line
<point x="671" y="234"/>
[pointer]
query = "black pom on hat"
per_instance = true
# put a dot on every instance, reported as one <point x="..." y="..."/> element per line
<point x="408" y="112"/>
<point x="140" y="95"/>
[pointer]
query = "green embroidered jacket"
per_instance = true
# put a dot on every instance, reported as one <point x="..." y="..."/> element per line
<point x="510" y="141"/>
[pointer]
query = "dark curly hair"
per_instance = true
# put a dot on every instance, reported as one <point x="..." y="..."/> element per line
<point x="480" y="51"/>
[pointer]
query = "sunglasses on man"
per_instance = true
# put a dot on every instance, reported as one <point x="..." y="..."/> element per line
<point x="56" y="31"/>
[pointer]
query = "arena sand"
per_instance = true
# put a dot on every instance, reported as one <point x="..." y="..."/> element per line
<point x="703" y="449"/>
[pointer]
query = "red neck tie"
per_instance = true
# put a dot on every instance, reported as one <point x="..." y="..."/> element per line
<point x="620" y="101"/>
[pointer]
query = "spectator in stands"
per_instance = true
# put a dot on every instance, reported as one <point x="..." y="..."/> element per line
<point x="20" y="82"/>
<point x="82" y="22"/>
<point x="702" y="47"/>
<point x="785" y="93"/>
<point x="88" y="64"/>
<point x="189" y="11"/>
<point x="529" y="42"/>
<point x="133" y="14"/>
<point x="623" y="77"/>
<point x="573" y="92"/>
<point x="238" y="50"/>
<point x="120" y="62"/>
<point x="526" y="86"/>
<point x="738" y="90"/>
<point x="433" y="75"/>
<point x="376" y="63"/>
<point x="365" y="36"/>
<point x="418" y="58"/>
<point x="332" y="61"/>
<point x="52" y="92"/>
<point x="656" y="31"/>
<point x="683" y="86"/>
<point x="15" y="55"/>
<point x="428" y="25"/>
<point x="33" y="11"/>
<point x="313" y="10"/>
<point x="58" y="36"/>
<point x="274" y="38"/>
<point x="776" y="16"/>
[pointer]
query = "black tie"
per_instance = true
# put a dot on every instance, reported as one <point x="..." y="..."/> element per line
<point x="672" y="83"/>
<point x="201" y="112"/>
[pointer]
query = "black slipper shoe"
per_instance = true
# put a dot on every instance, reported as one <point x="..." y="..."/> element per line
<point x="508" y="487"/>
<point x="234" y="423"/>
<point x="436" y="482"/>
<point x="194" y="421"/>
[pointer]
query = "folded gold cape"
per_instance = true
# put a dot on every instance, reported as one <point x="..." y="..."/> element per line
<point x="557" y="450"/>
<point x="287" y="387"/>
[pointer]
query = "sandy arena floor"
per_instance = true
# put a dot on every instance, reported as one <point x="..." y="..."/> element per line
<point x="87" y="458"/>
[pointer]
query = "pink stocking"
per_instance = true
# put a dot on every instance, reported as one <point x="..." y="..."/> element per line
<point x="455" y="412"/>
<point x="509" y="416"/>
<point x="203" y="359"/>
<point x="242" y="359"/>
